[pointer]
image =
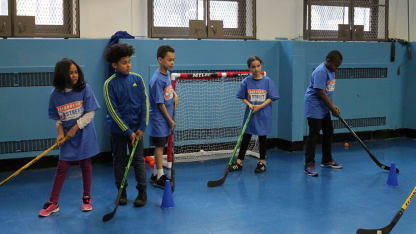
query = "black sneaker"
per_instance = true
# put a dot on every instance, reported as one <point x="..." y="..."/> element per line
<point x="261" y="167"/>
<point x="153" y="179"/>
<point x="123" y="197"/>
<point x="160" y="183"/>
<point x="235" y="167"/>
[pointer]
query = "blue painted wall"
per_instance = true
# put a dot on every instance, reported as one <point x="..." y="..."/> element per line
<point x="357" y="98"/>
<point x="285" y="87"/>
<point x="289" y="63"/>
<point x="24" y="109"/>
<point x="409" y="93"/>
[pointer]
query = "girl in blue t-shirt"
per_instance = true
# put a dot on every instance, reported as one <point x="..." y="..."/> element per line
<point x="72" y="105"/>
<point x="257" y="92"/>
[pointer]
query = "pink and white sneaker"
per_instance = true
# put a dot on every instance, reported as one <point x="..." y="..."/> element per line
<point x="48" y="209"/>
<point x="86" y="204"/>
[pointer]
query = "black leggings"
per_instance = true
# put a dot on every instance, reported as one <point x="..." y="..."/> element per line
<point x="246" y="141"/>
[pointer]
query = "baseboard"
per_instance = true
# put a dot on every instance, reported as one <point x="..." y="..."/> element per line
<point x="343" y="137"/>
<point x="284" y="144"/>
<point x="411" y="133"/>
<point x="272" y="143"/>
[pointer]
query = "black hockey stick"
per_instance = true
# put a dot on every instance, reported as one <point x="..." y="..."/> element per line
<point x="365" y="147"/>
<point x="214" y="183"/>
<point x="389" y="227"/>
<point x="110" y="215"/>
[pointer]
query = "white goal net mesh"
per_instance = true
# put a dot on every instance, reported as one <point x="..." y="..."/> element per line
<point x="209" y="116"/>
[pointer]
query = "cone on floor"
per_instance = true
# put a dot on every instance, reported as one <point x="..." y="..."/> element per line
<point x="392" y="179"/>
<point x="167" y="201"/>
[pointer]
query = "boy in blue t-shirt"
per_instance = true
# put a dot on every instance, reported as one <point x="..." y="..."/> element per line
<point x="318" y="103"/>
<point x="163" y="101"/>
<point x="127" y="117"/>
<point x="257" y="92"/>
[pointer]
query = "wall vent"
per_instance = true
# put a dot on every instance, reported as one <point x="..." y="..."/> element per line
<point x="360" y="122"/>
<point x="26" y="79"/>
<point x="9" y="147"/>
<point x="361" y="73"/>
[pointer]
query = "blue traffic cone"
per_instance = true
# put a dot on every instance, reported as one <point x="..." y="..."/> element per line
<point x="392" y="179"/>
<point x="167" y="201"/>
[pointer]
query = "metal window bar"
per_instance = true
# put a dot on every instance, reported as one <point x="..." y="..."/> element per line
<point x="226" y="19"/>
<point x="361" y="19"/>
<point x="52" y="18"/>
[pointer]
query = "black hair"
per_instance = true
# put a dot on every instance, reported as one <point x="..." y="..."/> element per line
<point x="163" y="50"/>
<point x="333" y="56"/>
<point x="61" y="78"/>
<point x="114" y="53"/>
<point x="252" y="59"/>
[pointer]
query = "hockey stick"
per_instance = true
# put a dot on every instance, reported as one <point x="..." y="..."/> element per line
<point x="171" y="145"/>
<point x="32" y="161"/>
<point x="389" y="227"/>
<point x="214" y="183"/>
<point x="172" y="170"/>
<point x="110" y="215"/>
<point x="170" y="155"/>
<point x="366" y="148"/>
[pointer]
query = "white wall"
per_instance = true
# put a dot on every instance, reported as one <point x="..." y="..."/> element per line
<point x="275" y="18"/>
<point x="398" y="20"/>
<point x="279" y="18"/>
<point x="102" y="18"/>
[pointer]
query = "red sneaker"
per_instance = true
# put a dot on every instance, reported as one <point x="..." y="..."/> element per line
<point x="48" y="209"/>
<point x="86" y="204"/>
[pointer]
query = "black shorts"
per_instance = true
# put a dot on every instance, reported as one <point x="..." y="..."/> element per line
<point x="158" y="141"/>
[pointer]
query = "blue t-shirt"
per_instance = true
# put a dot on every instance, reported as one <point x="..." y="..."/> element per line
<point x="69" y="107"/>
<point x="321" y="78"/>
<point x="160" y="91"/>
<point x="257" y="92"/>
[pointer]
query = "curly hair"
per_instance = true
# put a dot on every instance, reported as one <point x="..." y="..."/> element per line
<point x="114" y="53"/>
<point x="62" y="80"/>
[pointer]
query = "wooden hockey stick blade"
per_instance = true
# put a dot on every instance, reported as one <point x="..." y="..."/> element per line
<point x="215" y="183"/>
<point x="31" y="162"/>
